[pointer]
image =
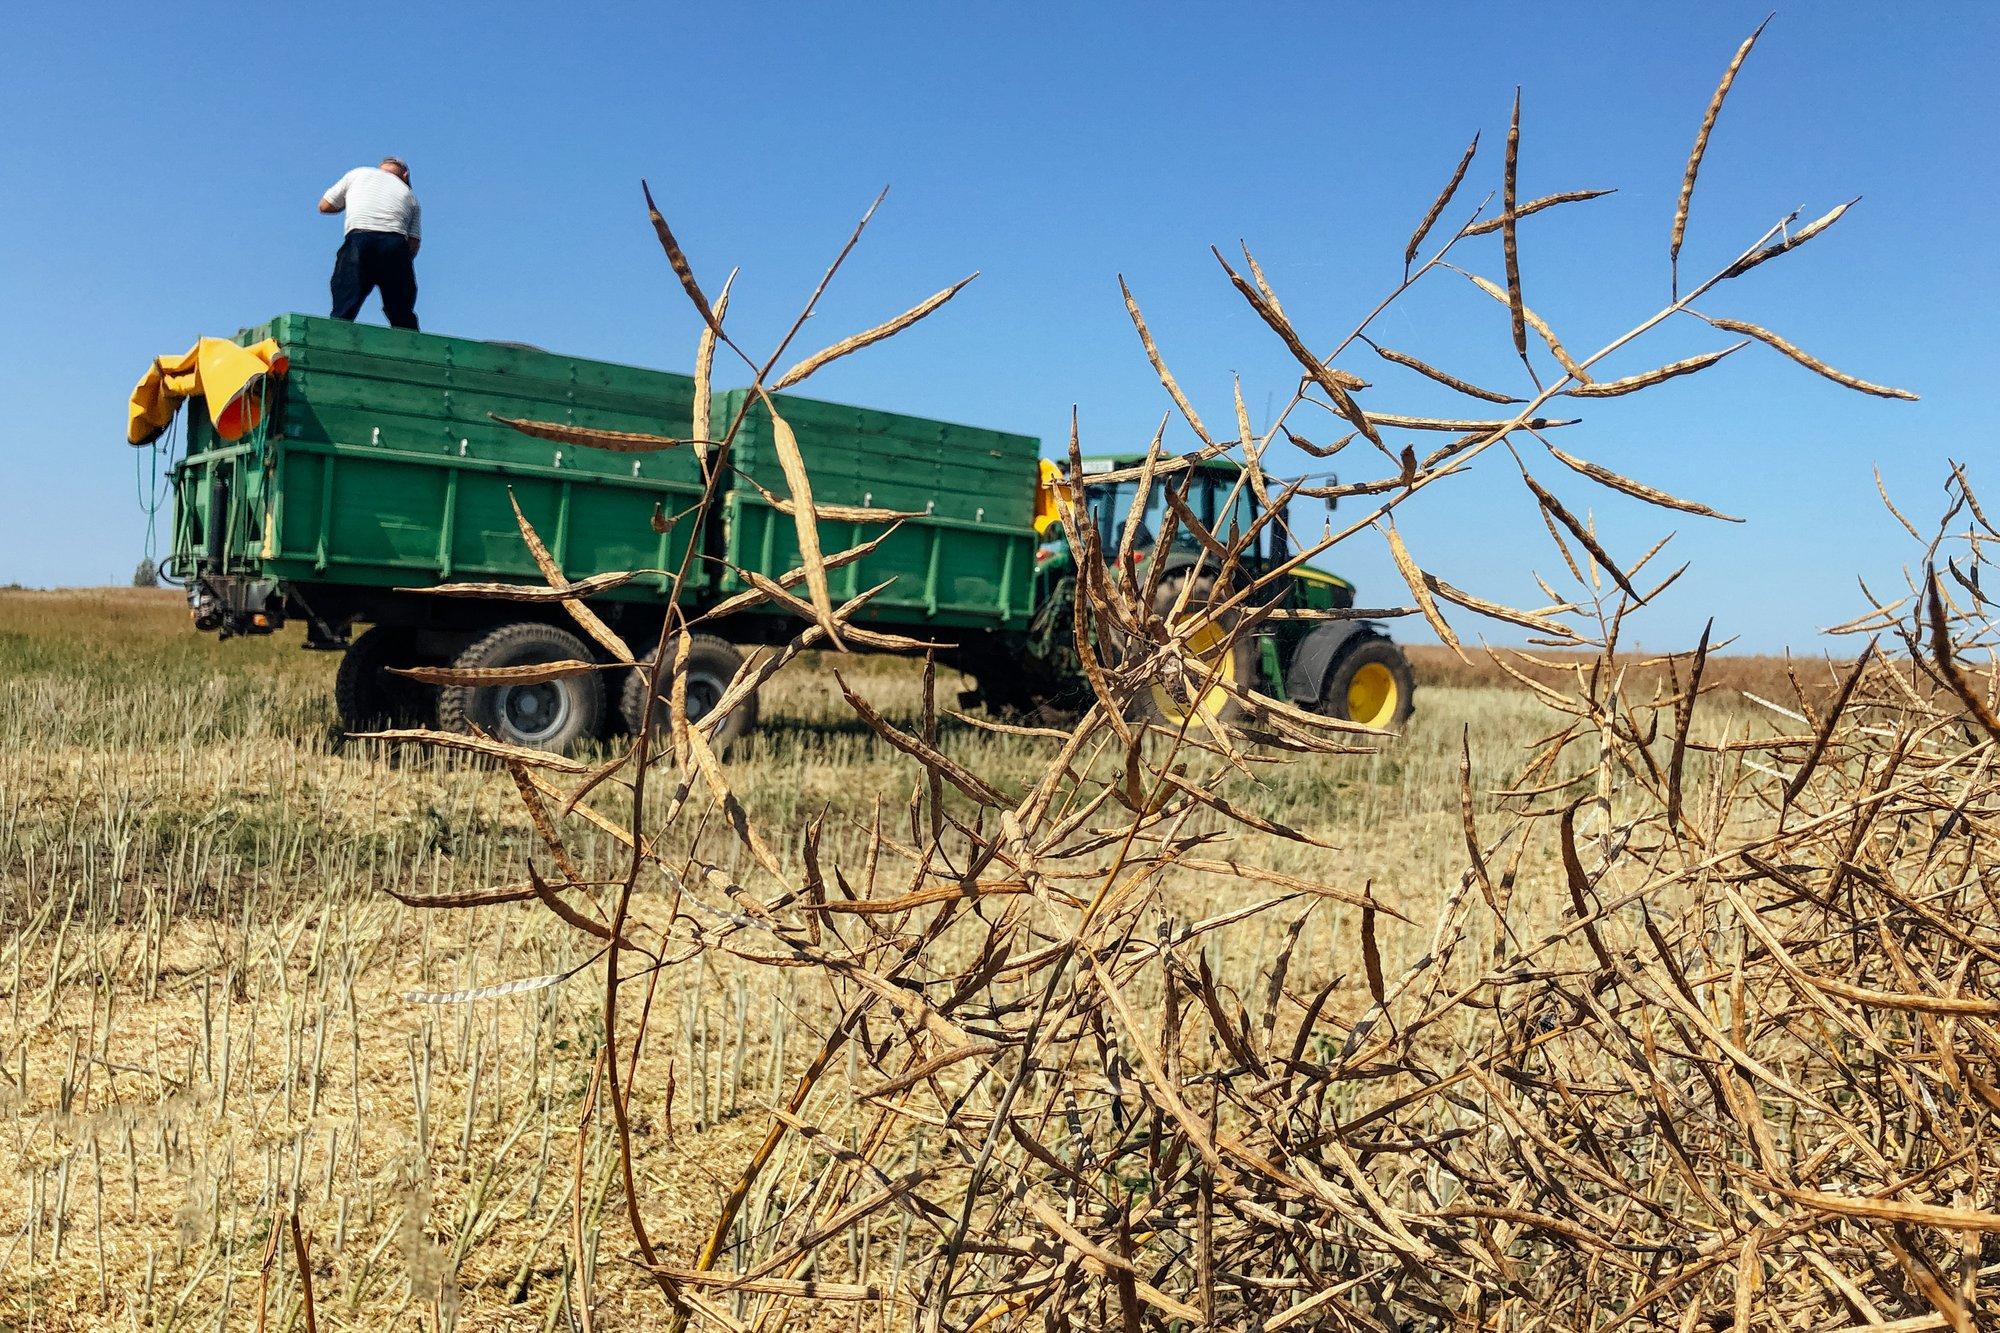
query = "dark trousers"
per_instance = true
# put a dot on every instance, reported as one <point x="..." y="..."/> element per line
<point x="372" y="260"/>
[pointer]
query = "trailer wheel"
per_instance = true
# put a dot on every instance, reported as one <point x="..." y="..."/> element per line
<point x="1370" y="683"/>
<point x="712" y="664"/>
<point x="366" y="696"/>
<point x="1237" y="666"/>
<point x="550" y="715"/>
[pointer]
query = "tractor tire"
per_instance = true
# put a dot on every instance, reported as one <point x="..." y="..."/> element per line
<point x="555" y="715"/>
<point x="712" y="663"/>
<point x="1370" y="683"/>
<point x="1169" y="705"/>
<point x="366" y="696"/>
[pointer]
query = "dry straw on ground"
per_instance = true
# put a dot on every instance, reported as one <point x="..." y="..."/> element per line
<point x="1740" y="1074"/>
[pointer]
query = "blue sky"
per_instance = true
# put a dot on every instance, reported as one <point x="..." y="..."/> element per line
<point x="162" y="164"/>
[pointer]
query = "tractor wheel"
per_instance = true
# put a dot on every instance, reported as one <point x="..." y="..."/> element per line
<point x="1231" y="664"/>
<point x="366" y="696"/>
<point x="553" y="715"/>
<point x="1371" y="684"/>
<point x="712" y="663"/>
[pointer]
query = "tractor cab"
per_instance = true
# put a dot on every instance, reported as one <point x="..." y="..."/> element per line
<point x="1223" y="503"/>
<point x="1345" y="667"/>
<point x="1225" y="508"/>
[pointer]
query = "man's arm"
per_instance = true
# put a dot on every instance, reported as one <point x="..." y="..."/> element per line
<point x="416" y="244"/>
<point x="416" y="232"/>
<point x="335" y="199"/>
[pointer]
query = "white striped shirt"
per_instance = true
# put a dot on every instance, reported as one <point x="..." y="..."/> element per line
<point x="377" y="200"/>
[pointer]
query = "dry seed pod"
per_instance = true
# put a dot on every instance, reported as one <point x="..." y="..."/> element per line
<point x="1318" y="450"/>
<point x="1635" y="489"/>
<point x="1432" y="372"/>
<point x="1438" y="205"/>
<point x="1330" y="378"/>
<point x="1658" y="375"/>
<point x="1808" y="360"/>
<point x="796" y="480"/>
<point x="531" y="674"/>
<point x="1420" y="589"/>
<point x="834" y="513"/>
<point x="1510" y="250"/>
<point x="839" y="513"/>
<point x="492" y="992"/>
<point x="1792" y="242"/>
<point x="1538" y="324"/>
<point x="1349" y="409"/>
<point x="1534" y="206"/>
<point x="791" y="579"/>
<point x="1525" y="619"/>
<point x="1167" y="380"/>
<point x="1701" y="147"/>
<point x="452" y="740"/>
<point x="528" y="592"/>
<point x="1485" y="428"/>
<point x="1263" y="283"/>
<point x="579" y="611"/>
<point x="704" y="371"/>
<point x="677" y="258"/>
<point x="1554" y="512"/>
<point x="1971" y="500"/>
<point x="886" y="329"/>
<point x="587" y="437"/>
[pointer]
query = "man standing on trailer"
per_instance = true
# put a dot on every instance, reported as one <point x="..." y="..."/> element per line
<point x="379" y="250"/>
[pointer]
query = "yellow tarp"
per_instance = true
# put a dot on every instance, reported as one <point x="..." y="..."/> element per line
<point x="228" y="377"/>
<point x="1047" y="478"/>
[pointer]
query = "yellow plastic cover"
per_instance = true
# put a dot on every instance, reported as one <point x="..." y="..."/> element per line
<point x="228" y="377"/>
<point x="1048" y="477"/>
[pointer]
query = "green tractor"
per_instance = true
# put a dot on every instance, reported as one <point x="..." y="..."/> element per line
<point x="1341" y="668"/>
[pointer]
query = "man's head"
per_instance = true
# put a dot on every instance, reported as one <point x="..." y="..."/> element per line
<point x="398" y="168"/>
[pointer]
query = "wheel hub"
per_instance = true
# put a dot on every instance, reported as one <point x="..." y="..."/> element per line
<point x="703" y="694"/>
<point x="1372" y="696"/>
<point x="533" y="713"/>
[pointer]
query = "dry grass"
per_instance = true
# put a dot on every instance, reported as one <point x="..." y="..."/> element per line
<point x="203" y="980"/>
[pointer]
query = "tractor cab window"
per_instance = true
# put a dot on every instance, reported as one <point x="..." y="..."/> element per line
<point x="1228" y="518"/>
<point x="1109" y="502"/>
<point x="1208" y="498"/>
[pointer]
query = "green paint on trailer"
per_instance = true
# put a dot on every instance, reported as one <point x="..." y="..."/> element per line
<point x="380" y="465"/>
<point x="963" y="559"/>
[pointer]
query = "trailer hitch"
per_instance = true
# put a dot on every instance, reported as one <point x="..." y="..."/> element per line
<point x="230" y="606"/>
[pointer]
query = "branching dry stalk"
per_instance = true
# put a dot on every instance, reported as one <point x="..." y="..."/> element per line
<point x="1749" y="1078"/>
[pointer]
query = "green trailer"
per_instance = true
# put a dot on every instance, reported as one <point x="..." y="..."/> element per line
<point x="378" y="470"/>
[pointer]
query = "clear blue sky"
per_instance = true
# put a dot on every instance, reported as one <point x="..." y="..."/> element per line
<point x="162" y="163"/>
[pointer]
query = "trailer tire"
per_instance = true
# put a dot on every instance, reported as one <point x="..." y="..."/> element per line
<point x="366" y="696"/>
<point x="712" y="663"/>
<point x="1164" y="704"/>
<point x="554" y="715"/>
<point x="1370" y="682"/>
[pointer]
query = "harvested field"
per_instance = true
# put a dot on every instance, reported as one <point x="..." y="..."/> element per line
<point x="206" y="979"/>
<point x="214" y="1008"/>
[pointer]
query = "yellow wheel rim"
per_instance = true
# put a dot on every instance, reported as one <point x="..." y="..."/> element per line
<point x="1208" y="646"/>
<point x="1373" y="695"/>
